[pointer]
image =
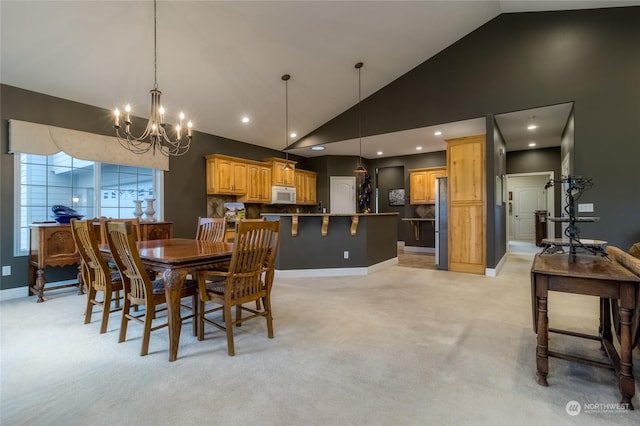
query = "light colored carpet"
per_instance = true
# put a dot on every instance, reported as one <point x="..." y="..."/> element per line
<point x="403" y="346"/>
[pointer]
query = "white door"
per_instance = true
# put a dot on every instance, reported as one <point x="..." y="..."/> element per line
<point x="526" y="200"/>
<point x="342" y="194"/>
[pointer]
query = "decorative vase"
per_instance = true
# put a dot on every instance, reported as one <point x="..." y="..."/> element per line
<point x="138" y="211"/>
<point x="150" y="211"/>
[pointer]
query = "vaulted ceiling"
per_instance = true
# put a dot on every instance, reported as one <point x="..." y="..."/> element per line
<point x="220" y="61"/>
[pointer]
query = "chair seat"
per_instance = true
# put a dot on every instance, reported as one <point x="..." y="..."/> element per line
<point x="158" y="285"/>
<point x="216" y="285"/>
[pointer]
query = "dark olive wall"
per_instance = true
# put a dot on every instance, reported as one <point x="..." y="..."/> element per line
<point x="185" y="192"/>
<point x="525" y="60"/>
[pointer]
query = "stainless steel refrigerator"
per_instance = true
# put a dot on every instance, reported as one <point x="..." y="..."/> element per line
<point x="442" y="224"/>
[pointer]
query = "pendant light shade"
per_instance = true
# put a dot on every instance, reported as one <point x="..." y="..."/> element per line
<point x="360" y="168"/>
<point x="286" y="78"/>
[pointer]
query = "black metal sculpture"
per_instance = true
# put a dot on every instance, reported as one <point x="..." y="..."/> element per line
<point x="364" y="194"/>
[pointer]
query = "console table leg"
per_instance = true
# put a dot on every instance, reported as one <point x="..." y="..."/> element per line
<point x="605" y="321"/>
<point x="625" y="378"/>
<point x="40" y="284"/>
<point x="542" y="350"/>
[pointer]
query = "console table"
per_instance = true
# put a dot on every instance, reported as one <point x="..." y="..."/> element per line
<point x="51" y="244"/>
<point x="594" y="276"/>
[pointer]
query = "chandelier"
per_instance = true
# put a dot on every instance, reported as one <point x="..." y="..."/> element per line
<point x="360" y="168"/>
<point x="155" y="137"/>
<point x="286" y="78"/>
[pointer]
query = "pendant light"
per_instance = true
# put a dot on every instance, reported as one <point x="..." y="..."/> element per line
<point x="286" y="78"/>
<point x="360" y="168"/>
<point x="155" y="137"/>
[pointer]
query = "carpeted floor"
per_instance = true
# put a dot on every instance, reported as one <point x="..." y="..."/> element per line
<point x="403" y="346"/>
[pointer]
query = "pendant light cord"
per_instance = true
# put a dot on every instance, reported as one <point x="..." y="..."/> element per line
<point x="155" y="46"/>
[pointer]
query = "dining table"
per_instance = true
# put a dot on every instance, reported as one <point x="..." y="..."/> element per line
<point x="175" y="258"/>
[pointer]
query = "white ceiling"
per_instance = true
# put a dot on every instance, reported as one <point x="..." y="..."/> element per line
<point x="222" y="60"/>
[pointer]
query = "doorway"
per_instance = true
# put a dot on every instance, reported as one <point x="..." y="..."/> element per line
<point x="342" y="194"/>
<point x="526" y="194"/>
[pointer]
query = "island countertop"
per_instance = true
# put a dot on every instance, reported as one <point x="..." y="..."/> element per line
<point x="329" y="214"/>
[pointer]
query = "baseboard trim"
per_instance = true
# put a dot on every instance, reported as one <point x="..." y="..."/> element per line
<point x="18" y="292"/>
<point x="493" y="272"/>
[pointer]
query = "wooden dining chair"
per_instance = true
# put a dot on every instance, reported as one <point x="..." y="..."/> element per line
<point x="211" y="229"/>
<point x="96" y="274"/>
<point x="248" y="279"/>
<point x="138" y="287"/>
<point x="135" y="222"/>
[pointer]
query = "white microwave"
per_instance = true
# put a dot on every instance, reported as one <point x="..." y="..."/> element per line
<point x="283" y="195"/>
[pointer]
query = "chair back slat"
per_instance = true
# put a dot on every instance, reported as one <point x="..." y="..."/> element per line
<point x="122" y="243"/>
<point x="95" y="270"/>
<point x="211" y="229"/>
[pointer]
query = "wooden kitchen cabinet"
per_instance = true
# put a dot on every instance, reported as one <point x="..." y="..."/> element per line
<point x="305" y="183"/>
<point x="258" y="184"/>
<point x="280" y="176"/>
<point x="467" y="204"/>
<point x="226" y="175"/>
<point x="422" y="184"/>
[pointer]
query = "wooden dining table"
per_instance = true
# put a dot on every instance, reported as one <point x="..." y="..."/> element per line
<point x="175" y="258"/>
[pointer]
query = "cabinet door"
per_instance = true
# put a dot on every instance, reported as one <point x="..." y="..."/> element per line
<point x="431" y="184"/>
<point x="258" y="184"/>
<point x="418" y="187"/>
<point x="300" y="187"/>
<point x="282" y="177"/>
<point x="223" y="176"/>
<point x="265" y="183"/>
<point x="310" y="188"/>
<point x="239" y="178"/>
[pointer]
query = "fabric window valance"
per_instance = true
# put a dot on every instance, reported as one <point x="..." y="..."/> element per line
<point x="42" y="139"/>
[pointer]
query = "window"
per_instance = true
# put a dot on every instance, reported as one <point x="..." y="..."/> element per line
<point x="46" y="180"/>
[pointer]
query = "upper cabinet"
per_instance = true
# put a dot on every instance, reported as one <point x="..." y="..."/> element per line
<point x="226" y="175"/>
<point x="280" y="176"/>
<point x="258" y="184"/>
<point x="422" y="184"/>
<point x="305" y="183"/>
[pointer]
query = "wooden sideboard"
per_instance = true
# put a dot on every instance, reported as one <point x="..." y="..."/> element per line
<point x="52" y="244"/>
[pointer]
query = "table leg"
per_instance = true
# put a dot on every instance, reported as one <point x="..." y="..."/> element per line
<point x="40" y="284"/>
<point x="605" y="321"/>
<point x="625" y="378"/>
<point x="542" y="350"/>
<point x="173" y="281"/>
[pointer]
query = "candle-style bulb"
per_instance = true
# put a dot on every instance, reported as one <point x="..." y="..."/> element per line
<point x="189" y="126"/>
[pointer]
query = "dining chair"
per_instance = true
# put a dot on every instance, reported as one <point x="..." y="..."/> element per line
<point x="248" y="279"/>
<point x="96" y="274"/>
<point x="211" y="229"/>
<point x="135" y="222"/>
<point x="139" y="289"/>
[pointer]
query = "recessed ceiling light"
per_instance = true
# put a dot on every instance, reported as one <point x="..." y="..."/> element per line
<point x="380" y="152"/>
<point x="532" y="127"/>
<point x="293" y="134"/>
<point x="317" y="148"/>
<point x="532" y="144"/>
<point x="245" y="119"/>
<point x="438" y="133"/>
<point x="418" y="148"/>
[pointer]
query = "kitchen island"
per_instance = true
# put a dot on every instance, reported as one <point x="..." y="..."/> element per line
<point x="324" y="244"/>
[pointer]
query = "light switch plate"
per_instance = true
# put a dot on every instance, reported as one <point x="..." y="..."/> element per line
<point x="585" y="208"/>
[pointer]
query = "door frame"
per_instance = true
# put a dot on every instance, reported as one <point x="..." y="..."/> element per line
<point x="550" y="201"/>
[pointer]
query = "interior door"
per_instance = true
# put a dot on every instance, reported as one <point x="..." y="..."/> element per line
<point x="342" y="194"/>
<point x="526" y="200"/>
